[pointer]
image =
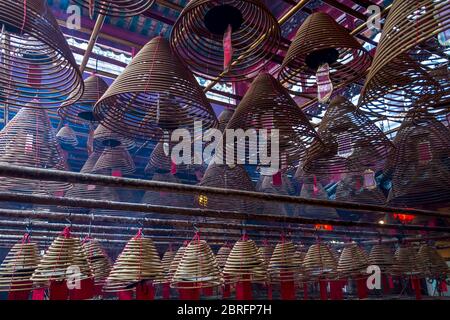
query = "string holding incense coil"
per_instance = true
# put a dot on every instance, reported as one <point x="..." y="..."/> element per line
<point x="353" y="262"/>
<point x="245" y="263"/>
<point x="18" y="267"/>
<point x="64" y="252"/>
<point x="115" y="159"/>
<point x="29" y="140"/>
<point x="284" y="264"/>
<point x="198" y="37"/>
<point x="155" y="92"/>
<point x="406" y="262"/>
<point x="198" y="268"/>
<point x="352" y="143"/>
<point x="139" y="261"/>
<point x="320" y="262"/>
<point x="319" y="40"/>
<point x="267" y="105"/>
<point x="420" y="163"/>
<point x="381" y="256"/>
<point x="98" y="260"/>
<point x="67" y="137"/>
<point x="81" y="112"/>
<point x="116" y="8"/>
<point x="37" y="62"/>
<point x="434" y="264"/>
<point x="411" y="62"/>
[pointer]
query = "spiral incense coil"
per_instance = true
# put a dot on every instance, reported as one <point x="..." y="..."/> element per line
<point x="284" y="264"/>
<point x="115" y="159"/>
<point x="351" y="189"/>
<point x="268" y="105"/>
<point x="320" y="40"/>
<point x="226" y="177"/>
<point x="382" y="256"/>
<point x="167" y="260"/>
<point x="172" y="199"/>
<point x="406" y="262"/>
<point x="80" y="112"/>
<point x="245" y="263"/>
<point x="64" y="252"/>
<point x="28" y="140"/>
<point x="104" y="138"/>
<point x="18" y="266"/>
<point x="154" y="79"/>
<point x="67" y="137"/>
<point x="198" y="37"/>
<point x="313" y="189"/>
<point x="224" y="117"/>
<point x="320" y="262"/>
<point x="419" y="165"/>
<point x="198" y="268"/>
<point x="116" y="8"/>
<point x="434" y="264"/>
<point x="266" y="252"/>
<point x="98" y="260"/>
<point x="352" y="262"/>
<point x="139" y="261"/>
<point x="222" y="256"/>
<point x="410" y="62"/>
<point x="265" y="185"/>
<point x="36" y="59"/>
<point x="161" y="162"/>
<point x="352" y="143"/>
<point x="176" y="261"/>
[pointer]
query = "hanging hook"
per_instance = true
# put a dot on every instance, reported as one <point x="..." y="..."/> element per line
<point x="90" y="224"/>
<point x="29" y="227"/>
<point x="69" y="220"/>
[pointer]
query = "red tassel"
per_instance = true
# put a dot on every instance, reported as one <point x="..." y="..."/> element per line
<point x="415" y="282"/>
<point x="336" y="290"/>
<point x="188" y="293"/>
<point x="145" y="291"/>
<point x="226" y="291"/>
<point x="38" y="294"/>
<point x="287" y="287"/>
<point x="362" y="289"/>
<point x="208" y="292"/>
<point x="323" y="289"/>
<point x="227" y="49"/>
<point x="391" y="282"/>
<point x="117" y="173"/>
<point x="85" y="292"/>
<point x="443" y="287"/>
<point x="125" y="295"/>
<point x="19" y="294"/>
<point x="173" y="168"/>
<point x="58" y="290"/>
<point x="269" y="292"/>
<point x="305" y="291"/>
<point x="276" y="179"/>
<point x="166" y="290"/>
<point x="244" y="289"/>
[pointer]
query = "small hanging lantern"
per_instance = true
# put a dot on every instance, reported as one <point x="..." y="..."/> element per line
<point x="369" y="180"/>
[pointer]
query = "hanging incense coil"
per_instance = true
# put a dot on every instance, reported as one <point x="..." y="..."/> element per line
<point x="139" y="261"/>
<point x="18" y="266"/>
<point x="64" y="252"/>
<point x="284" y="264"/>
<point x="176" y="261"/>
<point x="267" y="105"/>
<point x="226" y="177"/>
<point x="266" y="252"/>
<point x="167" y="260"/>
<point x="320" y="40"/>
<point x="320" y="262"/>
<point x="352" y="143"/>
<point x="420" y="164"/>
<point x="198" y="268"/>
<point x="224" y="117"/>
<point x="352" y="262"/>
<point x="104" y="138"/>
<point x="410" y="63"/>
<point x="29" y="140"/>
<point x="198" y="37"/>
<point x="80" y="112"/>
<point x="67" y="137"/>
<point x="154" y="92"/>
<point x="352" y="189"/>
<point x="115" y="159"/>
<point x="222" y="256"/>
<point x="245" y="263"/>
<point x="313" y="189"/>
<point x="116" y="8"/>
<point x="161" y="162"/>
<point x="266" y="185"/>
<point x="37" y="62"/>
<point x="98" y="260"/>
<point x="381" y="256"/>
<point x="434" y="264"/>
<point x="406" y="262"/>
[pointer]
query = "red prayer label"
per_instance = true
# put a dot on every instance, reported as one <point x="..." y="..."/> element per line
<point x="324" y="84"/>
<point x="227" y="48"/>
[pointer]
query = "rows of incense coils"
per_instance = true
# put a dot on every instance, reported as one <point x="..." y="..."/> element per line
<point x="78" y="270"/>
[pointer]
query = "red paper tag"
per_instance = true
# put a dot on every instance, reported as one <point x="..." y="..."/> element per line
<point x="38" y="294"/>
<point x="90" y="142"/>
<point x="425" y="154"/>
<point x="173" y="168"/>
<point x="276" y="179"/>
<point x="116" y="173"/>
<point x="324" y="84"/>
<point x="227" y="48"/>
<point x="34" y="75"/>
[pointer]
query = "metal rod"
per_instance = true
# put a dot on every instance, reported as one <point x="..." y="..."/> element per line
<point x="92" y="41"/>
<point x="89" y="179"/>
